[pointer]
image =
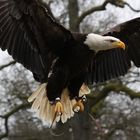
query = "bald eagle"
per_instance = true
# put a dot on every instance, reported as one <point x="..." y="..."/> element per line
<point x="64" y="62"/>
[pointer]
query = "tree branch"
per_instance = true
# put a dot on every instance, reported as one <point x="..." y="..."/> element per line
<point x="118" y="3"/>
<point x="10" y="113"/>
<point x="92" y="10"/>
<point x="6" y="65"/>
<point x="131" y="7"/>
<point x="16" y="109"/>
<point x="6" y="129"/>
<point x="98" y="96"/>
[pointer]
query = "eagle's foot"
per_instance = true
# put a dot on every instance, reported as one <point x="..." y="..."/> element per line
<point x="79" y="105"/>
<point x="59" y="109"/>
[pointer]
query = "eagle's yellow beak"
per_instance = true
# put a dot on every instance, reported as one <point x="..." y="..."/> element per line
<point x="119" y="44"/>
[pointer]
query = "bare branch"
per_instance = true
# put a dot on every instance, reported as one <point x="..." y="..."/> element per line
<point x="131" y="7"/>
<point x="16" y="109"/>
<point x="6" y="65"/>
<point x="118" y="3"/>
<point x="10" y="113"/>
<point x="6" y="129"/>
<point x="98" y="96"/>
<point x="92" y="10"/>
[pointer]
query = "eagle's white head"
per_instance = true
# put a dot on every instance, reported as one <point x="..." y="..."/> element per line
<point x="98" y="42"/>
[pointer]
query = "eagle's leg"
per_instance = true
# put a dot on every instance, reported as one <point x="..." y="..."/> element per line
<point x="74" y="88"/>
<point x="79" y="106"/>
<point x="56" y="84"/>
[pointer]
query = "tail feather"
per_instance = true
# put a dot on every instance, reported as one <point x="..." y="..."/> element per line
<point x="45" y="110"/>
<point x="64" y="102"/>
<point x="48" y="115"/>
<point x="37" y="92"/>
<point x="68" y="111"/>
<point x="42" y="108"/>
<point x="43" y="116"/>
<point x="84" y="90"/>
<point x="71" y="112"/>
<point x="64" y="117"/>
<point x="38" y="100"/>
<point x="58" y="118"/>
<point x="52" y="121"/>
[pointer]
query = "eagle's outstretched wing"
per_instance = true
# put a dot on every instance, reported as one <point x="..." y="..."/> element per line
<point x="116" y="62"/>
<point x="25" y="37"/>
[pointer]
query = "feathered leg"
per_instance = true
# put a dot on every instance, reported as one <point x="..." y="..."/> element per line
<point x="75" y="88"/>
<point x="79" y="106"/>
<point x="56" y="83"/>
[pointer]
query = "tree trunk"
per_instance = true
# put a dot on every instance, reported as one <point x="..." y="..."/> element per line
<point x="81" y="126"/>
<point x="73" y="10"/>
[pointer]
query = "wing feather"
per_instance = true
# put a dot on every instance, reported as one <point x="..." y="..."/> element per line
<point x="109" y="64"/>
<point x="118" y="65"/>
<point x="27" y="32"/>
<point x="17" y="36"/>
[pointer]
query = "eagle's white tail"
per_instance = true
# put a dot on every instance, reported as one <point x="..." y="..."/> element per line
<point x="45" y="110"/>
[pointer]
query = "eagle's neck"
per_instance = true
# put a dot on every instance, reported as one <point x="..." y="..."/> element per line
<point x="94" y="42"/>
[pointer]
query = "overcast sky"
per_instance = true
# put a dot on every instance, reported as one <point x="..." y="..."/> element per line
<point x="123" y="14"/>
<point x="126" y="13"/>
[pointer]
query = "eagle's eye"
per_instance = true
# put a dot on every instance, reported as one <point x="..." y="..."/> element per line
<point x="112" y="41"/>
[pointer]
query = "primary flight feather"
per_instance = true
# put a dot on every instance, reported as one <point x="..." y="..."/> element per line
<point x="62" y="61"/>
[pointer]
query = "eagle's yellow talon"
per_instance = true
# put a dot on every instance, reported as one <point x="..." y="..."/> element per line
<point x="79" y="105"/>
<point x="59" y="108"/>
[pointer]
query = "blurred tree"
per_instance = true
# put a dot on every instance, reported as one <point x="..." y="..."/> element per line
<point x="115" y="112"/>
